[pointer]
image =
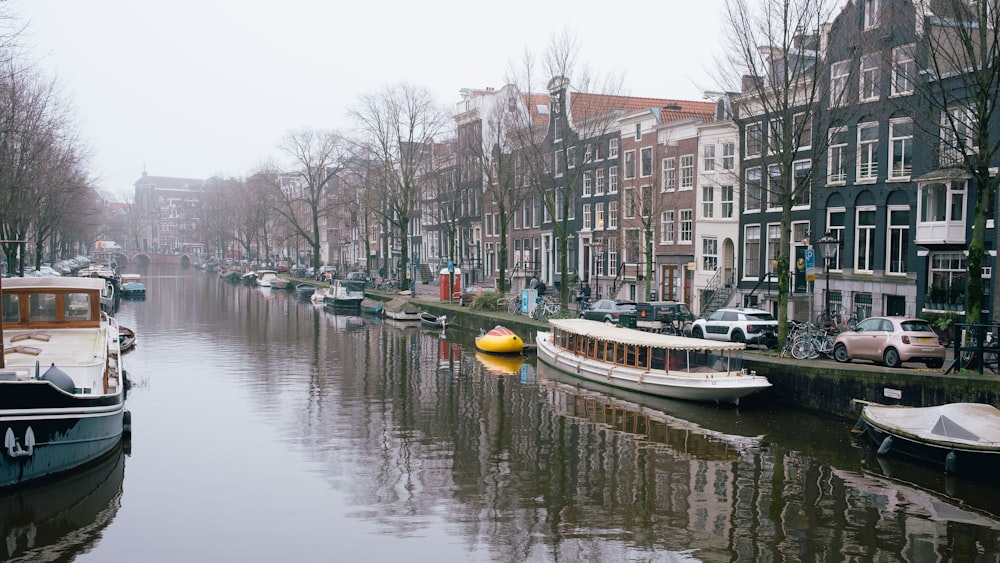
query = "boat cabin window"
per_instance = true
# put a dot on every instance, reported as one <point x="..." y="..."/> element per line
<point x="42" y="307"/>
<point x="11" y="308"/>
<point x="77" y="307"/>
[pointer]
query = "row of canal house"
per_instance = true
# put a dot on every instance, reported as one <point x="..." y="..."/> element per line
<point x="688" y="189"/>
<point x="884" y="180"/>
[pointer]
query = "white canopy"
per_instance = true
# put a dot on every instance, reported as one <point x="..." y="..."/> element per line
<point x="621" y="335"/>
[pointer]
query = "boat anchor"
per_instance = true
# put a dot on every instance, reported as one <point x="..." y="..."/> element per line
<point x="14" y="449"/>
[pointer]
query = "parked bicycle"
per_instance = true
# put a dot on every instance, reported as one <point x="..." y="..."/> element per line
<point x="545" y="309"/>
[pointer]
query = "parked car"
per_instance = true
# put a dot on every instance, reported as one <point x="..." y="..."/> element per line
<point x="738" y="324"/>
<point x="891" y="341"/>
<point x="469" y="294"/>
<point x="608" y="310"/>
<point x="326" y="273"/>
<point x="283" y="266"/>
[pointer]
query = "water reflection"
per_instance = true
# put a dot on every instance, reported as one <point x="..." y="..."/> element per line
<point x="57" y="520"/>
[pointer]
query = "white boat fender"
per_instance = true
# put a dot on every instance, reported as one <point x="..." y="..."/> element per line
<point x="951" y="462"/>
<point x="885" y="446"/>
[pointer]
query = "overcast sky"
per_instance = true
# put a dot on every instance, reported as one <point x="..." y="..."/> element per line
<point x="196" y="88"/>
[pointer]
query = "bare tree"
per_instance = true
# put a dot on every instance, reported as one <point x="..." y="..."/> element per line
<point x="398" y="125"/>
<point x="583" y="107"/>
<point x="774" y="50"/>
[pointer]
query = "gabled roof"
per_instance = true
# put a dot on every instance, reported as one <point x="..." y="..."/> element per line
<point x="584" y="105"/>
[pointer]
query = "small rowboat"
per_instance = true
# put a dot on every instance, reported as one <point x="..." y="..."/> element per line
<point x="126" y="338"/>
<point x="499" y="340"/>
<point x="431" y="320"/>
<point x="371" y="306"/>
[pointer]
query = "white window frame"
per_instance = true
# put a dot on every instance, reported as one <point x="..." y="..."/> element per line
<point x="867" y="167"/>
<point x="749" y="191"/>
<point x="836" y="230"/>
<point x="900" y="145"/>
<point x="873" y="13"/>
<point x="897" y="240"/>
<point x="836" y="163"/>
<point x="727" y="197"/>
<point x="612" y="214"/>
<point x="599" y="181"/>
<point x="753" y="140"/>
<point x="840" y="73"/>
<point x="752" y="269"/>
<point x="645" y="162"/>
<point x="728" y="155"/>
<point x="868" y="87"/>
<point x="629" y="159"/>
<point x="864" y="236"/>
<point x="587" y="217"/>
<point x="613" y="148"/>
<point x="667" y="227"/>
<point x="708" y="157"/>
<point x="707" y="201"/>
<point x="687" y="172"/>
<point x="904" y="70"/>
<point x="613" y="179"/>
<point x="587" y="184"/>
<point x="687" y="226"/>
<point x="669" y="182"/>
<point x="710" y="254"/>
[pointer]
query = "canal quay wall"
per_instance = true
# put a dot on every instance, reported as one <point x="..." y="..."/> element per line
<point x="820" y="385"/>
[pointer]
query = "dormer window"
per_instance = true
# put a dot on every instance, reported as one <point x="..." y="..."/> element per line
<point x="873" y="13"/>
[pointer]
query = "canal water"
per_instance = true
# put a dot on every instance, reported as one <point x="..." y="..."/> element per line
<point x="266" y="429"/>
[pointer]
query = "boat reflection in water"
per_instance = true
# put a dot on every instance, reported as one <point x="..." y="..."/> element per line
<point x="57" y="520"/>
<point x="636" y="413"/>
<point x="501" y="365"/>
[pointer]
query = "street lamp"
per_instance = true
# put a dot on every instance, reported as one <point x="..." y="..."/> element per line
<point x="828" y="246"/>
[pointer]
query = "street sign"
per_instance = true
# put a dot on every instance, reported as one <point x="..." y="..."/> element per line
<point x="810" y="264"/>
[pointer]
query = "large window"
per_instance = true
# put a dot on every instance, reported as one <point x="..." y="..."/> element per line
<point x="947" y="280"/>
<point x="899" y="239"/>
<point x="802" y="194"/>
<point x="728" y="155"/>
<point x="904" y="70"/>
<point x="773" y="243"/>
<point x="803" y="130"/>
<point x="710" y="254"/>
<point x="599" y="216"/>
<point x="629" y="165"/>
<point x="599" y="183"/>
<point x="708" y="201"/>
<point x="835" y="224"/>
<point x="751" y="251"/>
<point x="840" y="71"/>
<point x="687" y="225"/>
<point x="612" y="179"/>
<point x="708" y="157"/>
<point x="867" y="152"/>
<point x="612" y="214"/>
<point x="753" y="190"/>
<point x="587" y="223"/>
<point x="754" y="140"/>
<point x="687" y="171"/>
<point x="836" y="167"/>
<point x="900" y="149"/>
<point x="669" y="174"/>
<point x="667" y="227"/>
<point x="864" y="249"/>
<point x="613" y="148"/>
<point x="587" y="184"/>
<point x="646" y="162"/>
<point x="869" y="77"/>
<point x="774" y="187"/>
<point x="727" y="194"/>
<point x="957" y="135"/>
<point x="940" y="202"/>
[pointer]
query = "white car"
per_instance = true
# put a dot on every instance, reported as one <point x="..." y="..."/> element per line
<point x="754" y="326"/>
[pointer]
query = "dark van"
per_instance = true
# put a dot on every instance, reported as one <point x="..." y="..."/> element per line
<point x="664" y="316"/>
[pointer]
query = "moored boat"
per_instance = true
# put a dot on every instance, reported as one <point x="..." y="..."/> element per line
<point x="278" y="282"/>
<point x="433" y="321"/>
<point x="318" y="296"/>
<point x="499" y="340"/>
<point x="371" y="306"/>
<point x="305" y="289"/>
<point x="961" y="437"/>
<point x="345" y="294"/>
<point x="62" y="389"/>
<point x="126" y="338"/>
<point x="132" y="286"/>
<point x="265" y="278"/>
<point x="656" y="364"/>
<point x="401" y="309"/>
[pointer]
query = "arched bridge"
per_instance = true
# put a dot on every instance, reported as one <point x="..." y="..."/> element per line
<point x="141" y="259"/>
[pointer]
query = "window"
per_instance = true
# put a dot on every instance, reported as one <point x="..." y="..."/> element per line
<point x="727" y="196"/>
<point x="941" y="202"/>
<point x="708" y="157"/>
<point x="751" y="251"/>
<point x="612" y="179"/>
<point x="947" y="279"/>
<point x="707" y="201"/>
<point x="612" y="214"/>
<point x="587" y="217"/>
<point x="867" y="152"/>
<point x="773" y="243"/>
<point x="864" y="250"/>
<point x="869" y="77"/>
<point x="904" y="70"/>
<point x="646" y="162"/>
<point x="667" y="227"/>
<point x="774" y="136"/>
<point x="599" y="215"/>
<point x="957" y="135"/>
<point x="728" y="155"/>
<point x="613" y="148"/>
<point x="836" y="166"/>
<point x="753" y="190"/>
<point x="802" y="190"/>
<point x="629" y="165"/>
<point x="835" y="224"/>
<point x="900" y="149"/>
<point x="687" y="225"/>
<point x="774" y="188"/>
<point x="571" y="157"/>
<point x="839" y="73"/>
<point x="803" y="129"/>
<point x="557" y="163"/>
<point x="899" y="240"/>
<point x="669" y="174"/>
<point x="687" y="171"/>
<point x="599" y="174"/>
<point x="638" y="131"/>
<point x="587" y="187"/>
<point x="873" y="13"/>
<point x="588" y="153"/>
<point x="630" y="202"/>
<point x="710" y="254"/>
<point x="754" y="140"/>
